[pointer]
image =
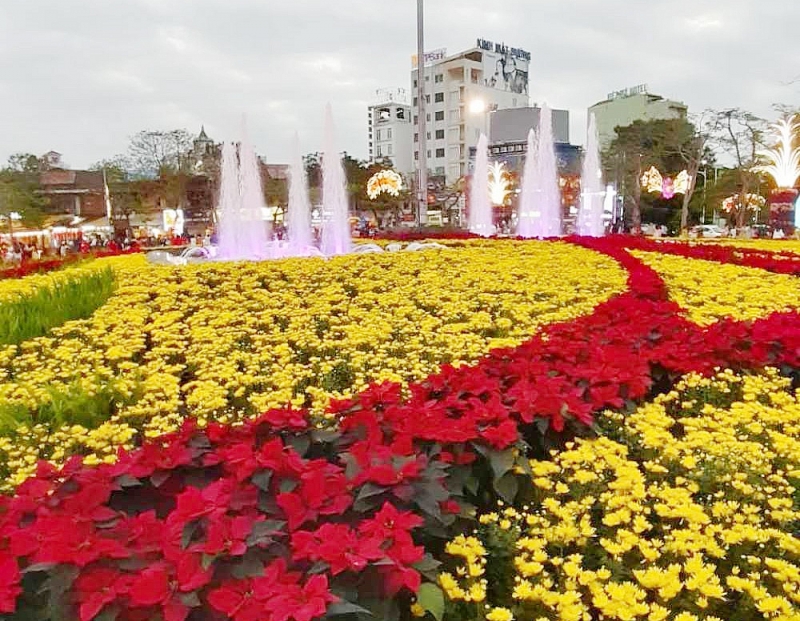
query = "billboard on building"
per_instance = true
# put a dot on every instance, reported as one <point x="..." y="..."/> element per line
<point x="430" y="57"/>
<point x="505" y="68"/>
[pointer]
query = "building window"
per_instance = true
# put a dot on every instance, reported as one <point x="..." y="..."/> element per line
<point x="416" y="137"/>
<point x="440" y="170"/>
<point x="440" y="115"/>
<point x="428" y="117"/>
<point x="416" y="101"/>
<point x="439" y="98"/>
<point x="439" y="134"/>
<point x="428" y="136"/>
<point x="379" y="151"/>
<point x="455" y="97"/>
<point x="416" y="120"/>
<point x="429" y="153"/>
<point x="439" y="152"/>
<point x="390" y="150"/>
<point x="379" y="135"/>
<point x="416" y="155"/>
<point x="415" y="84"/>
<point x="455" y="115"/>
<point x="401" y="114"/>
<point x="427" y="99"/>
<point x="439" y="78"/>
<point x="389" y="134"/>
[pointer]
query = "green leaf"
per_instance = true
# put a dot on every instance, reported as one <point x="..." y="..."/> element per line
<point x="288" y="485"/>
<point x="346" y="608"/>
<point x="262" y="480"/>
<point x="501" y="462"/>
<point x="370" y="489"/>
<point x="190" y="599"/>
<point x="431" y="598"/>
<point x="507" y="487"/>
<point x="188" y="532"/>
<point x="159" y="478"/>
<point x="300" y="444"/>
<point x="126" y="480"/>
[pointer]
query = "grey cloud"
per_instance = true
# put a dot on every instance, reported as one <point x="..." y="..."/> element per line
<point x="80" y="76"/>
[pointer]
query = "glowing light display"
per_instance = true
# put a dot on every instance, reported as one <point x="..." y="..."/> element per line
<point x="754" y="202"/>
<point x="498" y="184"/>
<point x="654" y="183"/>
<point x="384" y="182"/>
<point x="784" y="160"/>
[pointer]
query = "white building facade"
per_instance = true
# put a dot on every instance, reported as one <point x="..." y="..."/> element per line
<point x="390" y="131"/>
<point x="461" y="93"/>
<point x="622" y="108"/>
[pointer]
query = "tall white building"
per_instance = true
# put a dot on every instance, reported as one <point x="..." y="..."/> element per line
<point x="390" y="130"/>
<point x="622" y="108"/>
<point x="461" y="93"/>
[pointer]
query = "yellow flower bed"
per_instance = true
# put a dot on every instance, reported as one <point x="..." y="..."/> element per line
<point x="710" y="291"/>
<point x="16" y="288"/>
<point x="688" y="511"/>
<point x="221" y="341"/>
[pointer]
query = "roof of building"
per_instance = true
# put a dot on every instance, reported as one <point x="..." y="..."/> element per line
<point x="59" y="178"/>
<point x="203" y="136"/>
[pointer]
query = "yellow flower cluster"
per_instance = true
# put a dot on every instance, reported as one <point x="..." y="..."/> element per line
<point x="710" y="291"/>
<point x="12" y="289"/>
<point x="688" y="510"/>
<point x="225" y="340"/>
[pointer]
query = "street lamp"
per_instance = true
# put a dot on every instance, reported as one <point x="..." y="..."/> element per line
<point x="422" y="174"/>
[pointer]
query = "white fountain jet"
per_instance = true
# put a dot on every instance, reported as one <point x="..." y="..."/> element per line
<point x="540" y="204"/>
<point x="335" y="206"/>
<point x="300" y="240"/>
<point x="480" y="208"/>
<point x="590" y="215"/>
<point x="243" y="233"/>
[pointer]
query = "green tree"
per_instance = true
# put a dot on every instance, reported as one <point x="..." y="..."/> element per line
<point x="125" y="194"/>
<point x="24" y="163"/>
<point x="669" y="145"/>
<point x="738" y="135"/>
<point x="154" y="154"/>
<point x="19" y="200"/>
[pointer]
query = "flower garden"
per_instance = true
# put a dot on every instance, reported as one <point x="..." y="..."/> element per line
<point x="568" y="430"/>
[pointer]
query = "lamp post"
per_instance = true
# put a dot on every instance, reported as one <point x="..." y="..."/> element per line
<point x="705" y="194"/>
<point x="422" y="162"/>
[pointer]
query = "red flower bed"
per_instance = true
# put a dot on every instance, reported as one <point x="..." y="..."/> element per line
<point x="780" y="262"/>
<point x="275" y="520"/>
<point x="49" y="265"/>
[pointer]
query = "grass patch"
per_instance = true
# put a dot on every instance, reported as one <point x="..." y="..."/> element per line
<point x="35" y="314"/>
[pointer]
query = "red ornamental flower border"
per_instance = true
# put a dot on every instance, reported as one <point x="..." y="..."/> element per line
<point x="779" y="262"/>
<point x="49" y="265"/>
<point x="275" y="520"/>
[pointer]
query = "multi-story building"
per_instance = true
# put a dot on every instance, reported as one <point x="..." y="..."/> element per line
<point x="461" y="93"/>
<point x="622" y="108"/>
<point x="390" y="130"/>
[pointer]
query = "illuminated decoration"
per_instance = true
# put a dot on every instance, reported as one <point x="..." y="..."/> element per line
<point x="754" y="203"/>
<point x="654" y="183"/>
<point x="384" y="182"/>
<point x="498" y="184"/>
<point x="173" y="220"/>
<point x="784" y="166"/>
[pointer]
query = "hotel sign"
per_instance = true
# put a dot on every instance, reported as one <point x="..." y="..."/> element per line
<point x="628" y="92"/>
<point x="430" y="57"/>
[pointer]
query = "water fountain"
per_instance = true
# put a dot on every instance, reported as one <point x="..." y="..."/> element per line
<point x="540" y="203"/>
<point x="243" y="234"/>
<point x="335" y="205"/>
<point x="480" y="209"/>
<point x="299" y="231"/>
<point x="590" y="216"/>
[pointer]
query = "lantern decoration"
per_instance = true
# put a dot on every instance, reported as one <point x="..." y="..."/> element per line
<point x="654" y="183"/>
<point x="754" y="202"/>
<point x="384" y="182"/>
<point x="498" y="184"/>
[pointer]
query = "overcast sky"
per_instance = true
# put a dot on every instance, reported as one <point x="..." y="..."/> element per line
<point x="81" y="76"/>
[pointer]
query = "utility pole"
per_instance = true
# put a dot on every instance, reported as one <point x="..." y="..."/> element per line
<point x="422" y="162"/>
